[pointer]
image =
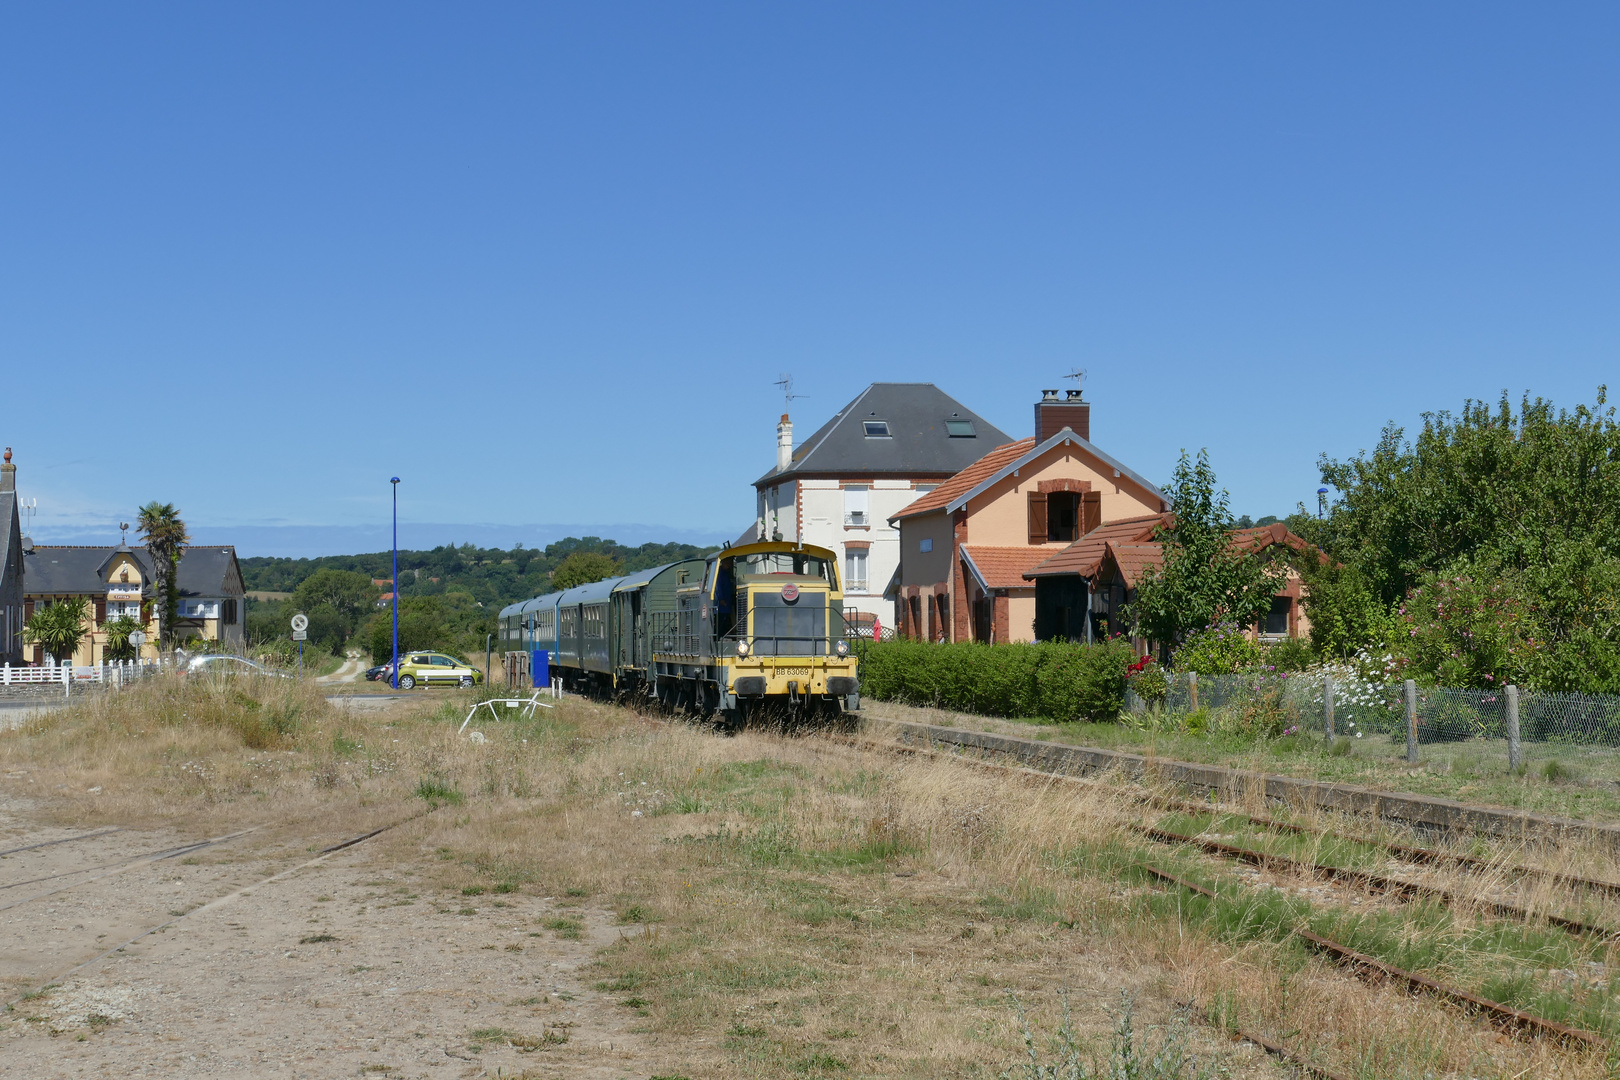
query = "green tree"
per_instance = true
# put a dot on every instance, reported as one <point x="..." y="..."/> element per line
<point x="349" y="593"/>
<point x="1206" y="580"/>
<point x="582" y="568"/>
<point x="59" y="627"/>
<point x="166" y="540"/>
<point x="1529" y="498"/>
<point x="119" y="647"/>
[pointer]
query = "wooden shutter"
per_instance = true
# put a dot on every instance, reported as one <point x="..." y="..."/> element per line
<point x="101" y="610"/>
<point x="28" y="610"/>
<point x="1091" y="504"/>
<point x="1037" y="517"/>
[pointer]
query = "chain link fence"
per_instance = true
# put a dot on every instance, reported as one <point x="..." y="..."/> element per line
<point x="1339" y="705"/>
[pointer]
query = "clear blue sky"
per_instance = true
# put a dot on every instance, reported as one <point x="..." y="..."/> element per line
<point x="544" y="262"/>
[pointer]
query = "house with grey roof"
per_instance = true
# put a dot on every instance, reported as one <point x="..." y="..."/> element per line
<point x="876" y="455"/>
<point x="119" y="581"/>
<point x="11" y="567"/>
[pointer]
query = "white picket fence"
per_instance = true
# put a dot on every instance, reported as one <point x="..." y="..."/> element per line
<point x="67" y="675"/>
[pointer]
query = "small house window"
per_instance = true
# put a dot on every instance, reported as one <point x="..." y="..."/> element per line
<point x="960" y="429"/>
<point x="855" y="505"/>
<point x="1277" y="617"/>
<point x="924" y="487"/>
<point x="926" y="544"/>
<point x="876" y="429"/>
<point x="855" y="570"/>
<point x="1063" y="516"/>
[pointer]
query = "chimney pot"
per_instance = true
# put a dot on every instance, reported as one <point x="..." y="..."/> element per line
<point x="784" y="444"/>
<point x="1052" y="415"/>
<point x="8" y="473"/>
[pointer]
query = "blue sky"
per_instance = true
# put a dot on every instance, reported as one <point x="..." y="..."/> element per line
<point x="544" y="262"/>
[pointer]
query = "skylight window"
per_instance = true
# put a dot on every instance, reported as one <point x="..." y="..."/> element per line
<point x="876" y="429"/>
<point x="960" y="429"/>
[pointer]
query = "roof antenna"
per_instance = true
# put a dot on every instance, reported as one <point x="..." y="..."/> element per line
<point x="1079" y="376"/>
<point x="786" y="383"/>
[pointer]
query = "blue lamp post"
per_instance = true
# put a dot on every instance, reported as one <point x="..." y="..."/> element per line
<point x="394" y="670"/>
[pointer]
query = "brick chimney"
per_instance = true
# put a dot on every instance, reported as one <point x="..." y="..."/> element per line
<point x="8" y="474"/>
<point x="784" y="444"/>
<point x="1053" y="415"/>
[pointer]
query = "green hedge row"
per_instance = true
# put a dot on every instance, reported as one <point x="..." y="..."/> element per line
<point x="1054" y="681"/>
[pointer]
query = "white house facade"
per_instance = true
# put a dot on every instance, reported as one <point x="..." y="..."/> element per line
<point x="875" y="457"/>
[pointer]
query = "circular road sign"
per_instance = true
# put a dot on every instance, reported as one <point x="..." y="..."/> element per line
<point x="137" y="638"/>
<point x="300" y="622"/>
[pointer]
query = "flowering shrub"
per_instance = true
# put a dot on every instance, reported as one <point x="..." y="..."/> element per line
<point x="1146" y="679"/>
<point x="1462" y="629"/>
<point x="1217" y="650"/>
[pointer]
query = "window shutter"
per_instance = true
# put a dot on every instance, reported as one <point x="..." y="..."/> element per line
<point x="28" y="610"/>
<point x="1092" y="506"/>
<point x="101" y="610"/>
<point x="1037" y="517"/>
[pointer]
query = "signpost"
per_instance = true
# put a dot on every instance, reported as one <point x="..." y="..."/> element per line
<point x="300" y="634"/>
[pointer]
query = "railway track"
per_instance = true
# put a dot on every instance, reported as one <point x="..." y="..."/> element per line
<point x="150" y="858"/>
<point x="1501" y="1015"/>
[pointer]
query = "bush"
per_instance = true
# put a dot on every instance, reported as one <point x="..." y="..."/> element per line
<point x="1048" y="680"/>
<point x="1217" y="650"/>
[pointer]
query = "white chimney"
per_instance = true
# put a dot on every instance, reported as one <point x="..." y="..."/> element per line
<point x="784" y="444"/>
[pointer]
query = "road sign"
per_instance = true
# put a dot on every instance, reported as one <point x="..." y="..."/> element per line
<point x="300" y="635"/>
<point x="300" y="622"/>
<point x="137" y="638"/>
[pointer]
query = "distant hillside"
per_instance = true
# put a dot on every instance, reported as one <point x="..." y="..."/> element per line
<point x="493" y="577"/>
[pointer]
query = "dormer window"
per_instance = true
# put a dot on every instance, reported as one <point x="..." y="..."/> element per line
<point x="876" y="429"/>
<point x="960" y="429"/>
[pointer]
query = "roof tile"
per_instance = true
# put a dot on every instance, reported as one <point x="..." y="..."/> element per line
<point x="1003" y="567"/>
<point x="968" y="478"/>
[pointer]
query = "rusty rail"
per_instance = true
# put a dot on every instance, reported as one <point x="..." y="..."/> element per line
<point x="1504" y="1014"/>
<point x="1376" y="883"/>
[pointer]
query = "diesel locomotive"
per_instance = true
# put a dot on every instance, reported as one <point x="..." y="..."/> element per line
<point x="746" y="627"/>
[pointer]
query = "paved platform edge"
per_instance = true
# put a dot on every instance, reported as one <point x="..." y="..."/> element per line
<point x="1423" y="812"/>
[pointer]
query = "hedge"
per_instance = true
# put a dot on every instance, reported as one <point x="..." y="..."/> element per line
<point x="1054" y="681"/>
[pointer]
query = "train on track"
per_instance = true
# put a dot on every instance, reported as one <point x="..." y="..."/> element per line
<point x="748" y="628"/>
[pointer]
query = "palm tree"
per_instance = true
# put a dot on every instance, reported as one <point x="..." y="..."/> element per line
<point x="59" y="627"/>
<point x="166" y="539"/>
<point x="119" y="647"/>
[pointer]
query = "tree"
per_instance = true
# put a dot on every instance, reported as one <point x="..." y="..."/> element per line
<point x="166" y="539"/>
<point x="582" y="568"/>
<point x="59" y="627"/>
<point x="1529" y="498"/>
<point x="119" y="647"/>
<point x="1206" y="580"/>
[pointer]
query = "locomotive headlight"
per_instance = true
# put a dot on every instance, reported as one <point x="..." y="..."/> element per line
<point x="742" y="648"/>
<point x="842" y="648"/>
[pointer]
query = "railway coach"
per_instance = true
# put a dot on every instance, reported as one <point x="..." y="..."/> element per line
<point x="748" y="627"/>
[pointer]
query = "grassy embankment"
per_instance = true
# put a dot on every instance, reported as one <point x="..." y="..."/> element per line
<point x="806" y="908"/>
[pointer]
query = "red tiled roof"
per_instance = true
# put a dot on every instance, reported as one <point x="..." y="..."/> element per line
<point x="1135" y="559"/>
<point x="1085" y="555"/>
<point x="1003" y="567"/>
<point x="1130" y="543"/>
<point x="968" y="479"/>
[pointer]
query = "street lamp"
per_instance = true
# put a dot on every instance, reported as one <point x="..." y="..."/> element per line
<point x="394" y="677"/>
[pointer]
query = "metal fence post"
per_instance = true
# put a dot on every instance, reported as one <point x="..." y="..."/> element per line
<point x="1411" y="721"/>
<point x="1327" y="706"/>
<point x="1515" y="751"/>
<point x="1192" y="691"/>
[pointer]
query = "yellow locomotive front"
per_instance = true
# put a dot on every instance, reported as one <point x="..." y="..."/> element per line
<point x="778" y="621"/>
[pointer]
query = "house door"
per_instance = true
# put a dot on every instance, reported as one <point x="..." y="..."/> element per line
<point x="983" y="610"/>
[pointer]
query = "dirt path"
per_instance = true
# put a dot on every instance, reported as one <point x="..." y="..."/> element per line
<point x="344" y="968"/>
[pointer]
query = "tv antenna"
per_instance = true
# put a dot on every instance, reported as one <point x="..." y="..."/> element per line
<point x="786" y="383"/>
<point x="1079" y="376"/>
<point x="29" y="508"/>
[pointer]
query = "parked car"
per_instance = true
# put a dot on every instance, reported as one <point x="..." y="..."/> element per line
<point x="229" y="665"/>
<point x="436" y="669"/>
<point x="378" y="672"/>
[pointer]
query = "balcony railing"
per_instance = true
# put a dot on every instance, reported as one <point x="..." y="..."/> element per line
<point x="857" y="517"/>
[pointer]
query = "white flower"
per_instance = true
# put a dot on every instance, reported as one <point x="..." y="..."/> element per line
<point x="635" y="813"/>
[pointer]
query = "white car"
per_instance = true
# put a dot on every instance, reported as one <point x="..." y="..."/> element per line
<point x="228" y="665"/>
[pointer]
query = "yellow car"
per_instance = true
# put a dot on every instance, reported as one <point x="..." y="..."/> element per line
<point x="436" y="669"/>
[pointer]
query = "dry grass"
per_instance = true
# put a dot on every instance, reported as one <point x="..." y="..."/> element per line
<point x="794" y="907"/>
